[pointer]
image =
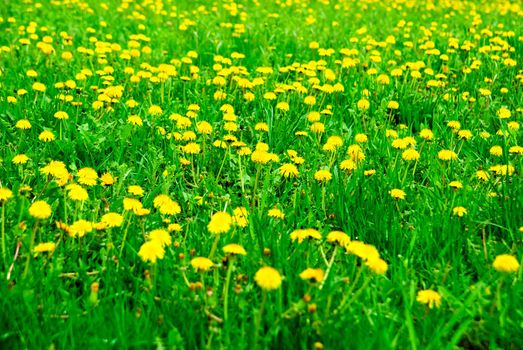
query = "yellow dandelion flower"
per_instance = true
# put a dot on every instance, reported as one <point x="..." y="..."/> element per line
<point x="5" y="194"/>
<point x="40" y="210"/>
<point x="20" y="159"/>
<point x="77" y="193"/>
<point x="87" y="176"/>
<point x="136" y="190"/>
<point x="446" y="154"/>
<point x="289" y="170"/>
<point x="459" y="211"/>
<point x="107" y="179"/>
<point x="276" y="213"/>
<point x="313" y="275"/>
<point x="362" y="250"/>
<point x="61" y="115"/>
<point x="44" y="247"/>
<point x="79" y="228"/>
<point x="397" y="193"/>
<point x="506" y="263"/>
<point x="410" y="154"/>
<point x="220" y="223"/>
<point x="112" y="220"/>
<point x="268" y="278"/>
<point x="240" y="217"/>
<point x="323" y="175"/>
<point x="46" y="136"/>
<point x="504" y="113"/>
<point x="339" y="237"/>
<point x="201" y="264"/>
<point x="151" y="251"/>
<point x="234" y="249"/>
<point x="377" y="265"/>
<point x="456" y="185"/>
<point x="161" y="236"/>
<point x="429" y="297"/>
<point x="23" y="124"/>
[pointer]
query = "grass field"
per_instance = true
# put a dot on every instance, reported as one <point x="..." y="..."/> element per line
<point x="261" y="174"/>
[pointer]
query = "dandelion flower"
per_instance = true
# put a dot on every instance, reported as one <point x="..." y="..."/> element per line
<point x="201" y="264"/>
<point x="20" y="159"/>
<point x="302" y="234"/>
<point x="240" y="217"/>
<point x="234" y="249"/>
<point x="338" y="237"/>
<point x="456" y="185"/>
<point x="377" y="265"/>
<point x="268" y="278"/>
<point x="446" y="154"/>
<point x="504" y="113"/>
<point x="276" y="213"/>
<point x="426" y="134"/>
<point x="506" y="263"/>
<point x="429" y="297"/>
<point x="289" y="170"/>
<point x="61" y="115"/>
<point x="397" y="193"/>
<point x="161" y="236"/>
<point x="40" y="210"/>
<point x="362" y="250"/>
<point x="23" y="124"/>
<point x="136" y="190"/>
<point x="112" y="220"/>
<point x="44" y="247"/>
<point x="87" y="176"/>
<point x="5" y="194"/>
<point x="151" y="251"/>
<point x="410" y="154"/>
<point x="80" y="228"/>
<point x="459" y="211"/>
<point x="323" y="175"/>
<point x="363" y="104"/>
<point x="107" y="179"/>
<point x="77" y="193"/>
<point x="314" y="275"/>
<point x="220" y="223"/>
<point x="46" y="136"/>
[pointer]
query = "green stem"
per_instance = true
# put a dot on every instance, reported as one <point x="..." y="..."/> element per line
<point x="125" y="235"/>
<point x="3" y="235"/>
<point x="226" y="289"/>
<point x="214" y="246"/>
<point x="241" y="173"/>
<point x="329" y="266"/>
<point x="255" y="186"/>
<point x="258" y="320"/>
<point x="31" y="245"/>
<point x="223" y="162"/>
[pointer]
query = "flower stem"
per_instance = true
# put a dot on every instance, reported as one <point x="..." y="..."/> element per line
<point x="259" y="319"/>
<point x="226" y="289"/>
<point x="329" y="266"/>
<point x="255" y="186"/>
<point x="223" y="162"/>
<point x="214" y="246"/>
<point x="125" y="236"/>
<point x="31" y="245"/>
<point x="3" y="234"/>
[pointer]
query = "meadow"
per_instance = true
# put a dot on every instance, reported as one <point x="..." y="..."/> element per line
<point x="285" y="174"/>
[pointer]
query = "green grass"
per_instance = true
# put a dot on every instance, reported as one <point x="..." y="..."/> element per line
<point x="168" y="304"/>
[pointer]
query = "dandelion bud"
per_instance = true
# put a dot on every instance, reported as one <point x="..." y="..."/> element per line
<point x="93" y="297"/>
<point x="312" y="308"/>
